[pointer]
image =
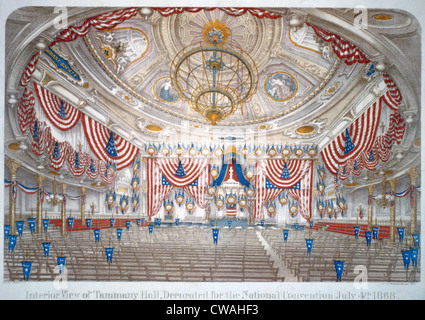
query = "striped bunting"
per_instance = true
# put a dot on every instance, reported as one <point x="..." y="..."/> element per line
<point x="98" y="137"/>
<point x="61" y="114"/>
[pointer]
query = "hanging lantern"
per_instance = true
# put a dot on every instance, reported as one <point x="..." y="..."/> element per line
<point x="242" y="202"/>
<point x="245" y="151"/>
<point x="249" y="174"/>
<point x="110" y="200"/>
<point x="190" y="206"/>
<point x="135" y="183"/>
<point x="219" y="202"/>
<point x="272" y="152"/>
<point x="168" y="206"/>
<point x="321" y="187"/>
<point x="312" y="152"/>
<point x="271" y="210"/>
<point x="135" y="202"/>
<point x="179" y="197"/>
<point x="193" y="152"/>
<point x="151" y="150"/>
<point x="165" y="151"/>
<point x="218" y="152"/>
<point x="211" y="191"/>
<point x="230" y="199"/>
<point x="293" y="209"/>
<point x="299" y="152"/>
<point x="250" y="192"/>
<point x="214" y="173"/>
<point x="258" y="152"/>
<point x="283" y="199"/>
<point x="205" y="152"/>
<point x="124" y="204"/>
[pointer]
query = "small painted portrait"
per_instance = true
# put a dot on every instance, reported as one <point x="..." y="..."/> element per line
<point x="280" y="86"/>
<point x="164" y="91"/>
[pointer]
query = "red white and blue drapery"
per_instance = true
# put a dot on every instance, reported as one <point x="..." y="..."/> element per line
<point x="163" y="174"/>
<point x="107" y="145"/>
<point x="113" y="152"/>
<point x="274" y="175"/>
<point x="359" y="146"/>
<point x="344" y="50"/>
<point x="61" y="114"/>
<point x="34" y="190"/>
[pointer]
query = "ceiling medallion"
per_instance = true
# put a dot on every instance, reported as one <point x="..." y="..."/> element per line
<point x="213" y="75"/>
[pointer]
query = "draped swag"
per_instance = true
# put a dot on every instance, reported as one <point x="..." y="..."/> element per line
<point x="274" y="175"/>
<point x="163" y="174"/>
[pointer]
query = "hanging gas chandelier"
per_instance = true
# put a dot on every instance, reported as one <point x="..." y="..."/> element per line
<point x="214" y="75"/>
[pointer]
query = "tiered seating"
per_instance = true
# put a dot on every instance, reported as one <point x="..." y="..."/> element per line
<point x="170" y="253"/>
<point x="187" y="253"/>
<point x="382" y="262"/>
<point x="96" y="224"/>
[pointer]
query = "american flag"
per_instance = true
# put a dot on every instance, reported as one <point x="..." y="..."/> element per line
<point x="303" y="193"/>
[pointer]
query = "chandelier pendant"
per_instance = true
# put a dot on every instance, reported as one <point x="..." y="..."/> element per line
<point x="214" y="75"/>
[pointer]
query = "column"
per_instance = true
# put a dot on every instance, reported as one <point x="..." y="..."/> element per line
<point x="39" y="213"/>
<point x="63" y="208"/>
<point x="392" y="183"/>
<point x="83" y="205"/>
<point x="13" y="166"/>
<point x="370" y="190"/>
<point x="413" y="175"/>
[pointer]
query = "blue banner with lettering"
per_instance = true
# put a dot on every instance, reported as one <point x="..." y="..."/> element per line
<point x="6" y="231"/>
<point x="70" y="222"/>
<point x="157" y="222"/>
<point x="285" y="234"/>
<point x="212" y="223"/>
<point x="112" y="220"/>
<point x="400" y="234"/>
<point x="46" y="248"/>
<point x="296" y="226"/>
<point x="88" y="223"/>
<point x="46" y="223"/>
<point x="368" y="235"/>
<point x="127" y="224"/>
<point x="12" y="242"/>
<point x="339" y="268"/>
<point x="119" y="233"/>
<point x="150" y="228"/>
<point x="416" y="239"/>
<point x="215" y="235"/>
<point x="61" y="263"/>
<point x="31" y="223"/>
<point x="177" y="222"/>
<point x="356" y="231"/>
<point x="26" y="268"/>
<point x="375" y="232"/>
<point x="143" y="221"/>
<point x="414" y="253"/>
<point x="138" y="222"/>
<point x="61" y="63"/>
<point x="109" y="253"/>
<point x="309" y="244"/>
<point x="20" y="227"/>
<point x="96" y="235"/>
<point x="229" y="223"/>
<point x="311" y="223"/>
<point x="262" y="223"/>
<point x="406" y="258"/>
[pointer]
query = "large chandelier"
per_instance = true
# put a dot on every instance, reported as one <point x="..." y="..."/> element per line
<point x="215" y="76"/>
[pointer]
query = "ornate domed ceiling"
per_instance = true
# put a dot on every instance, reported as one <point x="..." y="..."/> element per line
<point x="314" y="71"/>
<point x="296" y="72"/>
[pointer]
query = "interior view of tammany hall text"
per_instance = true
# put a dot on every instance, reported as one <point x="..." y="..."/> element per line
<point x="211" y="144"/>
